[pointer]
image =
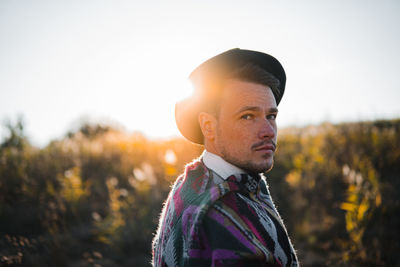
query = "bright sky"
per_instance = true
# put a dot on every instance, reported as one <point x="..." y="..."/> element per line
<point x="128" y="61"/>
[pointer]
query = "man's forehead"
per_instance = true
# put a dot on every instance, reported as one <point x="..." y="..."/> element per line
<point x="257" y="109"/>
<point x="237" y="103"/>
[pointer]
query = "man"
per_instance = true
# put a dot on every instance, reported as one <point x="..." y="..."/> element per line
<point x="219" y="212"/>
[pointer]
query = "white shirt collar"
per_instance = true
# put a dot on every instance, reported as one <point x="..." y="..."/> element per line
<point x="219" y="165"/>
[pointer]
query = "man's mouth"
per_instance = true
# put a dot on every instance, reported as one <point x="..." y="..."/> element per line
<point x="265" y="146"/>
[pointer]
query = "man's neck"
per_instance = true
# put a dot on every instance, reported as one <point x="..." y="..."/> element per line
<point x="219" y="165"/>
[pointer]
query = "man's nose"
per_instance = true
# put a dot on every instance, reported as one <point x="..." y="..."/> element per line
<point x="267" y="129"/>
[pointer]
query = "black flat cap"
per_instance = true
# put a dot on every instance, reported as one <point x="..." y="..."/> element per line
<point x="207" y="75"/>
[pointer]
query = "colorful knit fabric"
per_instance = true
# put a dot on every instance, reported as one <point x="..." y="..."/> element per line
<point x="230" y="222"/>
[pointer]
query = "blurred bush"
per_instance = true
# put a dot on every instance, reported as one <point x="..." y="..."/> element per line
<point x="94" y="197"/>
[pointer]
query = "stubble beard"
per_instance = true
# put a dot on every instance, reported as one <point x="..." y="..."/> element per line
<point x="248" y="166"/>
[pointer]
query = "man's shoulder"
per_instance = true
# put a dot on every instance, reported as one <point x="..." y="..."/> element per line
<point x="190" y="198"/>
<point x="196" y="189"/>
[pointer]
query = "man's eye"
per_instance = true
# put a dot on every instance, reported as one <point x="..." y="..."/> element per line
<point x="247" y="116"/>
<point x="271" y="117"/>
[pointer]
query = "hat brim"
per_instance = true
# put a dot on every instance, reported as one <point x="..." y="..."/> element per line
<point x="186" y="117"/>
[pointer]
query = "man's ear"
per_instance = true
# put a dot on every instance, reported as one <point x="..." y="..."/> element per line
<point x="208" y="125"/>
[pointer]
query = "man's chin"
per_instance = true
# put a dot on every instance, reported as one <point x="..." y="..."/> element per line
<point x="262" y="167"/>
<point x="259" y="165"/>
<point x="266" y="166"/>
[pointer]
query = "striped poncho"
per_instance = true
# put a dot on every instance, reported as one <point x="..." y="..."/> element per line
<point x="209" y="221"/>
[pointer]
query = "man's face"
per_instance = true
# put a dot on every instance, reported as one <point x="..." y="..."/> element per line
<point x="246" y="129"/>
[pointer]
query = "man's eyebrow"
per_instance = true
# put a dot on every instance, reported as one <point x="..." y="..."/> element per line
<point x="255" y="108"/>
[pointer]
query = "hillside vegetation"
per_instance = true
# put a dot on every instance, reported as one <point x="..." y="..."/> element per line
<point x="93" y="198"/>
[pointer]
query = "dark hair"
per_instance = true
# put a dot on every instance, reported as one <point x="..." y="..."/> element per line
<point x="249" y="73"/>
<point x="254" y="73"/>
